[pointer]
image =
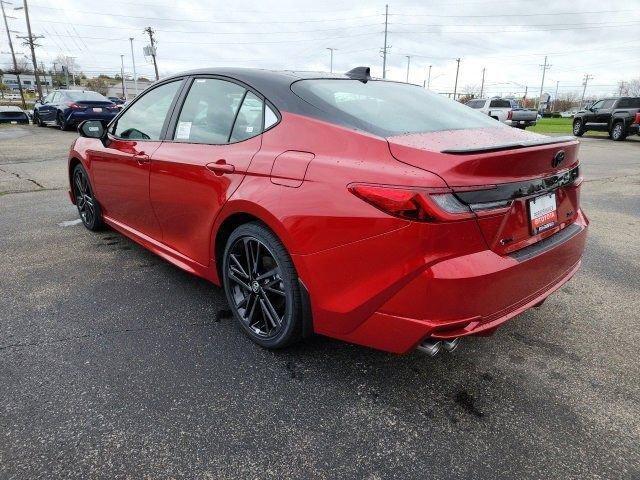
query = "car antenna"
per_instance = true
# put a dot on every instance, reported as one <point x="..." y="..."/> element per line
<point x="360" y="73"/>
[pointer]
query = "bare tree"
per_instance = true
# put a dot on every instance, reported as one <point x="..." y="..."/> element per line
<point x="633" y="86"/>
<point x="23" y="63"/>
<point x="68" y="62"/>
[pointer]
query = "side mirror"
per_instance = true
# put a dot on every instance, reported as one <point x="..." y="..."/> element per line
<point x="91" y="129"/>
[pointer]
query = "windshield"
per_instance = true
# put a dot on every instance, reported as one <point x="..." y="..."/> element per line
<point x="475" y="103"/>
<point x="78" y="96"/>
<point x="389" y="108"/>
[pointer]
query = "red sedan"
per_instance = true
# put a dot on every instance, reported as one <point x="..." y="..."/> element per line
<point x="370" y="211"/>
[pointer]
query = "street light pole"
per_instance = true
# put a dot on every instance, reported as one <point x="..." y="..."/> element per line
<point x="124" y="88"/>
<point x="427" y="82"/>
<point x="331" y="64"/>
<point x="408" y="65"/>
<point x="133" y="60"/>
<point x="384" y="50"/>
<point x="482" y="84"/>
<point x="455" y="86"/>
<point x="13" y="54"/>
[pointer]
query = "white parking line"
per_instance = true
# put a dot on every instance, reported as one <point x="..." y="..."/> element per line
<point x="70" y="223"/>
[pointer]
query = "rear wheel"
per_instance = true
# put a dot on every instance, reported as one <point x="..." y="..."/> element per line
<point x="578" y="127"/>
<point x="261" y="285"/>
<point x="618" y="132"/>
<point x="88" y="207"/>
<point x="62" y="123"/>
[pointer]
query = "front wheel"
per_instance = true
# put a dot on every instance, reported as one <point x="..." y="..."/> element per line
<point x="617" y="132"/>
<point x="37" y="120"/>
<point x="88" y="207"/>
<point x="578" y="127"/>
<point x="261" y="285"/>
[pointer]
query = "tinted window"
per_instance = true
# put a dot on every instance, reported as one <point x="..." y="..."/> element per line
<point x="608" y="103"/>
<point x="629" y="103"/>
<point x="598" y="104"/>
<point x="475" y="103"/>
<point x="145" y="118"/>
<point x="249" y="120"/>
<point x="209" y="111"/>
<point x="500" y="104"/>
<point x="389" y="108"/>
<point x="78" y="96"/>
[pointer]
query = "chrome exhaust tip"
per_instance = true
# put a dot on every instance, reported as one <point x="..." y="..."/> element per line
<point x="451" y="345"/>
<point x="430" y="347"/>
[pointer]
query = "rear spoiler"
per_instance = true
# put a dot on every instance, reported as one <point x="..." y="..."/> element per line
<point x="509" y="146"/>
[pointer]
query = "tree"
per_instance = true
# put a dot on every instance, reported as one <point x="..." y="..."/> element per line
<point x="23" y="63"/>
<point x="67" y="62"/>
<point x="634" y="87"/>
<point x="98" y="85"/>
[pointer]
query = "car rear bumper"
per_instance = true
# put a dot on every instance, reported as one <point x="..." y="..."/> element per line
<point x="15" y="120"/>
<point x="79" y="117"/>
<point x="471" y="294"/>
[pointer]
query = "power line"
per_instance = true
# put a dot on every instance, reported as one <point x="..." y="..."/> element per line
<point x="501" y="15"/>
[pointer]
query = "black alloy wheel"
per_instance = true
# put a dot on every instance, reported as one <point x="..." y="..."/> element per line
<point x="88" y="208"/>
<point x="261" y="286"/>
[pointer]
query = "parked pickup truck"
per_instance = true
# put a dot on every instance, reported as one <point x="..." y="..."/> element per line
<point x="614" y="115"/>
<point x="505" y="111"/>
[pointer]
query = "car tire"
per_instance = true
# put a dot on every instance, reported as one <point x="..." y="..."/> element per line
<point x="618" y="132"/>
<point x="62" y="123"/>
<point x="261" y="286"/>
<point x="88" y="207"/>
<point x="578" y="127"/>
<point x="37" y="120"/>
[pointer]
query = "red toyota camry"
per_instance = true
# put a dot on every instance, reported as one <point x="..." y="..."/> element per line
<point x="370" y="211"/>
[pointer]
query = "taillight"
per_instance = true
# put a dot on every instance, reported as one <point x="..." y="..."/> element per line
<point x="638" y="117"/>
<point x="422" y="205"/>
<point x="510" y="115"/>
<point x="75" y="106"/>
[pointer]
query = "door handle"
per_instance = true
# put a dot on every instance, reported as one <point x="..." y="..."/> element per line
<point x="221" y="167"/>
<point x="141" y="158"/>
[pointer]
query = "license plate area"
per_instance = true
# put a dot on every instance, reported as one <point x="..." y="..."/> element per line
<point x="97" y="109"/>
<point x="543" y="213"/>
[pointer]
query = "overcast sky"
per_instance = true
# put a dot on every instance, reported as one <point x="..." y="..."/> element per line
<point x="508" y="37"/>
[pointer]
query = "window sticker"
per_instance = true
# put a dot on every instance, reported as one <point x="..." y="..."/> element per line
<point x="183" y="132"/>
<point x="249" y="129"/>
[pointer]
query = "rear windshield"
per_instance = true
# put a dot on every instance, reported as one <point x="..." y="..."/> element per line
<point x="389" y="108"/>
<point x="78" y="96"/>
<point x="475" y="103"/>
<point x="500" y="104"/>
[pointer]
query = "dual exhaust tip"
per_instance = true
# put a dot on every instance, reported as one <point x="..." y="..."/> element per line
<point x="434" y="347"/>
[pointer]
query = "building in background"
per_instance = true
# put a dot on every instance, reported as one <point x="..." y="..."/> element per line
<point x="115" y="90"/>
<point x="28" y="82"/>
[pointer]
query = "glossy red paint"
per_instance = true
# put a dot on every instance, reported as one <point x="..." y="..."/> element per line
<point x="373" y="279"/>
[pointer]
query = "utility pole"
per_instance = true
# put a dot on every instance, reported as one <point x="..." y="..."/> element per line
<point x="482" y="84"/>
<point x="544" y="67"/>
<point x="384" y="50"/>
<point x="31" y="41"/>
<point x="555" y="97"/>
<point x="621" y="88"/>
<point x="586" y="79"/>
<point x="13" y="54"/>
<point x="455" y="86"/>
<point x="133" y="60"/>
<point x="427" y="82"/>
<point x="150" y="32"/>
<point x="408" y="65"/>
<point x="65" y="69"/>
<point x="526" y="90"/>
<point x="124" y="88"/>
<point x="331" y="63"/>
<point x="55" y="74"/>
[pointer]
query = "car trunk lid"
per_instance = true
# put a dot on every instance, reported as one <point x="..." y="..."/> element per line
<point x="498" y="172"/>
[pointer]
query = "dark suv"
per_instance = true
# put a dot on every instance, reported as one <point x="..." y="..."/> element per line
<point x="614" y="115"/>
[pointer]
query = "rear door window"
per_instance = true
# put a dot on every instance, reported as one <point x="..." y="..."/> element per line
<point x="608" y="103"/>
<point x="209" y="112"/>
<point x="249" y="119"/>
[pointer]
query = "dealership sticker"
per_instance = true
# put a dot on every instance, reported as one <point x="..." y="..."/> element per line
<point x="184" y="131"/>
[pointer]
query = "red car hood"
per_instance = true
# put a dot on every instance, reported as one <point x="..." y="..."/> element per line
<point x="484" y="156"/>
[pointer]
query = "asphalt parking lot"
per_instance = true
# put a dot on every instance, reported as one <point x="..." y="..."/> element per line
<point x="115" y="364"/>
